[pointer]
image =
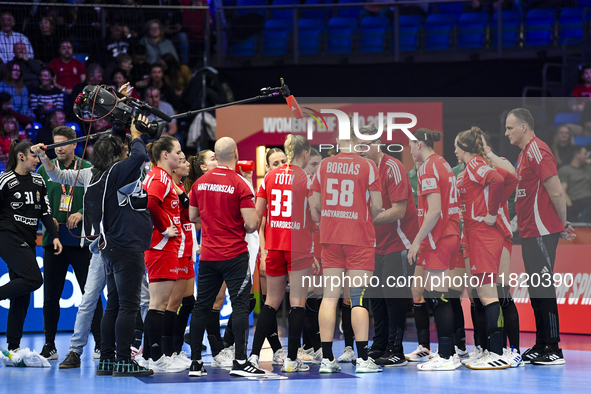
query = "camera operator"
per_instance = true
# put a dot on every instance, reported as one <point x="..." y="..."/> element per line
<point x="119" y="208"/>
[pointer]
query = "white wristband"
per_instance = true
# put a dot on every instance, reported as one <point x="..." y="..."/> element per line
<point x="490" y="154"/>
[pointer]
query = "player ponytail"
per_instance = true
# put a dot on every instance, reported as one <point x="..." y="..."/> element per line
<point x="295" y="146"/>
<point x="470" y="141"/>
<point x="164" y="143"/>
<point x="17" y="146"/>
<point x="427" y="137"/>
<point x="195" y="170"/>
<point x="150" y="148"/>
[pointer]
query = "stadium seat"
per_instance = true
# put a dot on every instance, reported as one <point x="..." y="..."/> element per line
<point x="373" y="33"/>
<point x="340" y="34"/>
<point x="244" y="48"/>
<point x="348" y="11"/>
<point x="571" y="25"/>
<point x="511" y="26"/>
<point x="83" y="57"/>
<point x="454" y="9"/>
<point x="584" y="3"/>
<point x="311" y="13"/>
<point x="309" y="34"/>
<point x="248" y="3"/>
<point x="538" y="27"/>
<point x="283" y="13"/>
<point x="471" y="30"/>
<point x="438" y="28"/>
<point x="408" y="30"/>
<point x="566" y="117"/>
<point x="275" y="36"/>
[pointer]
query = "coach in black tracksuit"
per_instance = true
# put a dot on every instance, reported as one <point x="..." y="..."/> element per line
<point x="23" y="202"/>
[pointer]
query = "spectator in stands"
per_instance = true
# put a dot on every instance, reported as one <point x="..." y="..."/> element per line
<point x="140" y="73"/>
<point x="30" y="68"/>
<point x="583" y="90"/>
<point x="172" y="21"/>
<point x="576" y="182"/>
<point x="124" y="61"/>
<point x="585" y="121"/>
<point x="176" y="74"/>
<point x="13" y="84"/>
<point x="166" y="92"/>
<point x="68" y="70"/>
<point x="132" y="20"/>
<point x="152" y="97"/>
<point x="89" y="23"/>
<point x="563" y="145"/>
<point x="119" y="78"/>
<point x="155" y="43"/>
<point x="45" y="41"/>
<point x="6" y="109"/>
<point x="8" y="132"/>
<point x="45" y="134"/>
<point x="117" y="43"/>
<point x="8" y="38"/>
<point x="46" y="98"/>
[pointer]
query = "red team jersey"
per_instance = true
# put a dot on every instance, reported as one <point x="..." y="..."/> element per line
<point x="344" y="181"/>
<point x="219" y="195"/>
<point x="288" y="213"/>
<point x="159" y="183"/>
<point x="396" y="236"/>
<point x="536" y="215"/>
<point x="436" y="176"/>
<point x="478" y="194"/>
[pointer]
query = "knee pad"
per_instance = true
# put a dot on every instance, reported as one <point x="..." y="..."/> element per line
<point x="187" y="305"/>
<point x="453" y="294"/>
<point x="357" y="297"/>
<point x="312" y="303"/>
<point x="504" y="294"/>
<point x="438" y="297"/>
<point x="474" y="293"/>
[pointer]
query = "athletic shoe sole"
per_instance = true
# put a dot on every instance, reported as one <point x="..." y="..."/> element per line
<point x="555" y="362"/>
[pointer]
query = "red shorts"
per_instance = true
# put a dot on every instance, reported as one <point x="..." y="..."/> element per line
<point x="443" y="257"/>
<point x="348" y="257"/>
<point x="486" y="247"/>
<point x="161" y="264"/>
<point x="186" y="268"/>
<point x="281" y="261"/>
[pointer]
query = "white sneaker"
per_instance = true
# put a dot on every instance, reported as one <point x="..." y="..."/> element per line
<point x="136" y="353"/>
<point x="513" y="358"/>
<point x="419" y="355"/>
<point x="327" y="366"/>
<point x="142" y="362"/>
<point x="437" y="363"/>
<point x="366" y="366"/>
<point x="254" y="360"/>
<point x="223" y="359"/>
<point x="435" y="353"/>
<point x="294" y="366"/>
<point x="306" y="355"/>
<point x="165" y="365"/>
<point x="181" y="358"/>
<point x="279" y="357"/>
<point x="347" y="356"/>
<point x="462" y="354"/>
<point x="96" y="354"/>
<point x="474" y="355"/>
<point x="489" y="360"/>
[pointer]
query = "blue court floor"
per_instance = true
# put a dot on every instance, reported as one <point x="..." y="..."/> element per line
<point x="574" y="377"/>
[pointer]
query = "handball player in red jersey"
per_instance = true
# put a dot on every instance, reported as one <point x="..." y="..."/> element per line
<point x="347" y="197"/>
<point x="437" y="243"/>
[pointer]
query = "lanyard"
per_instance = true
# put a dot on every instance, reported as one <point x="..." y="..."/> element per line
<point x="64" y="187"/>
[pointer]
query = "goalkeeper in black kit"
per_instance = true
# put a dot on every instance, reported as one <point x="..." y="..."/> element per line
<point x="23" y="203"/>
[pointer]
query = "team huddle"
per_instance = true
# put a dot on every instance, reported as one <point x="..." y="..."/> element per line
<point x="353" y="216"/>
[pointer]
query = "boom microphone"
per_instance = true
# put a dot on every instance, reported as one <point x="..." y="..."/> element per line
<point x="161" y="114"/>
<point x="291" y="101"/>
